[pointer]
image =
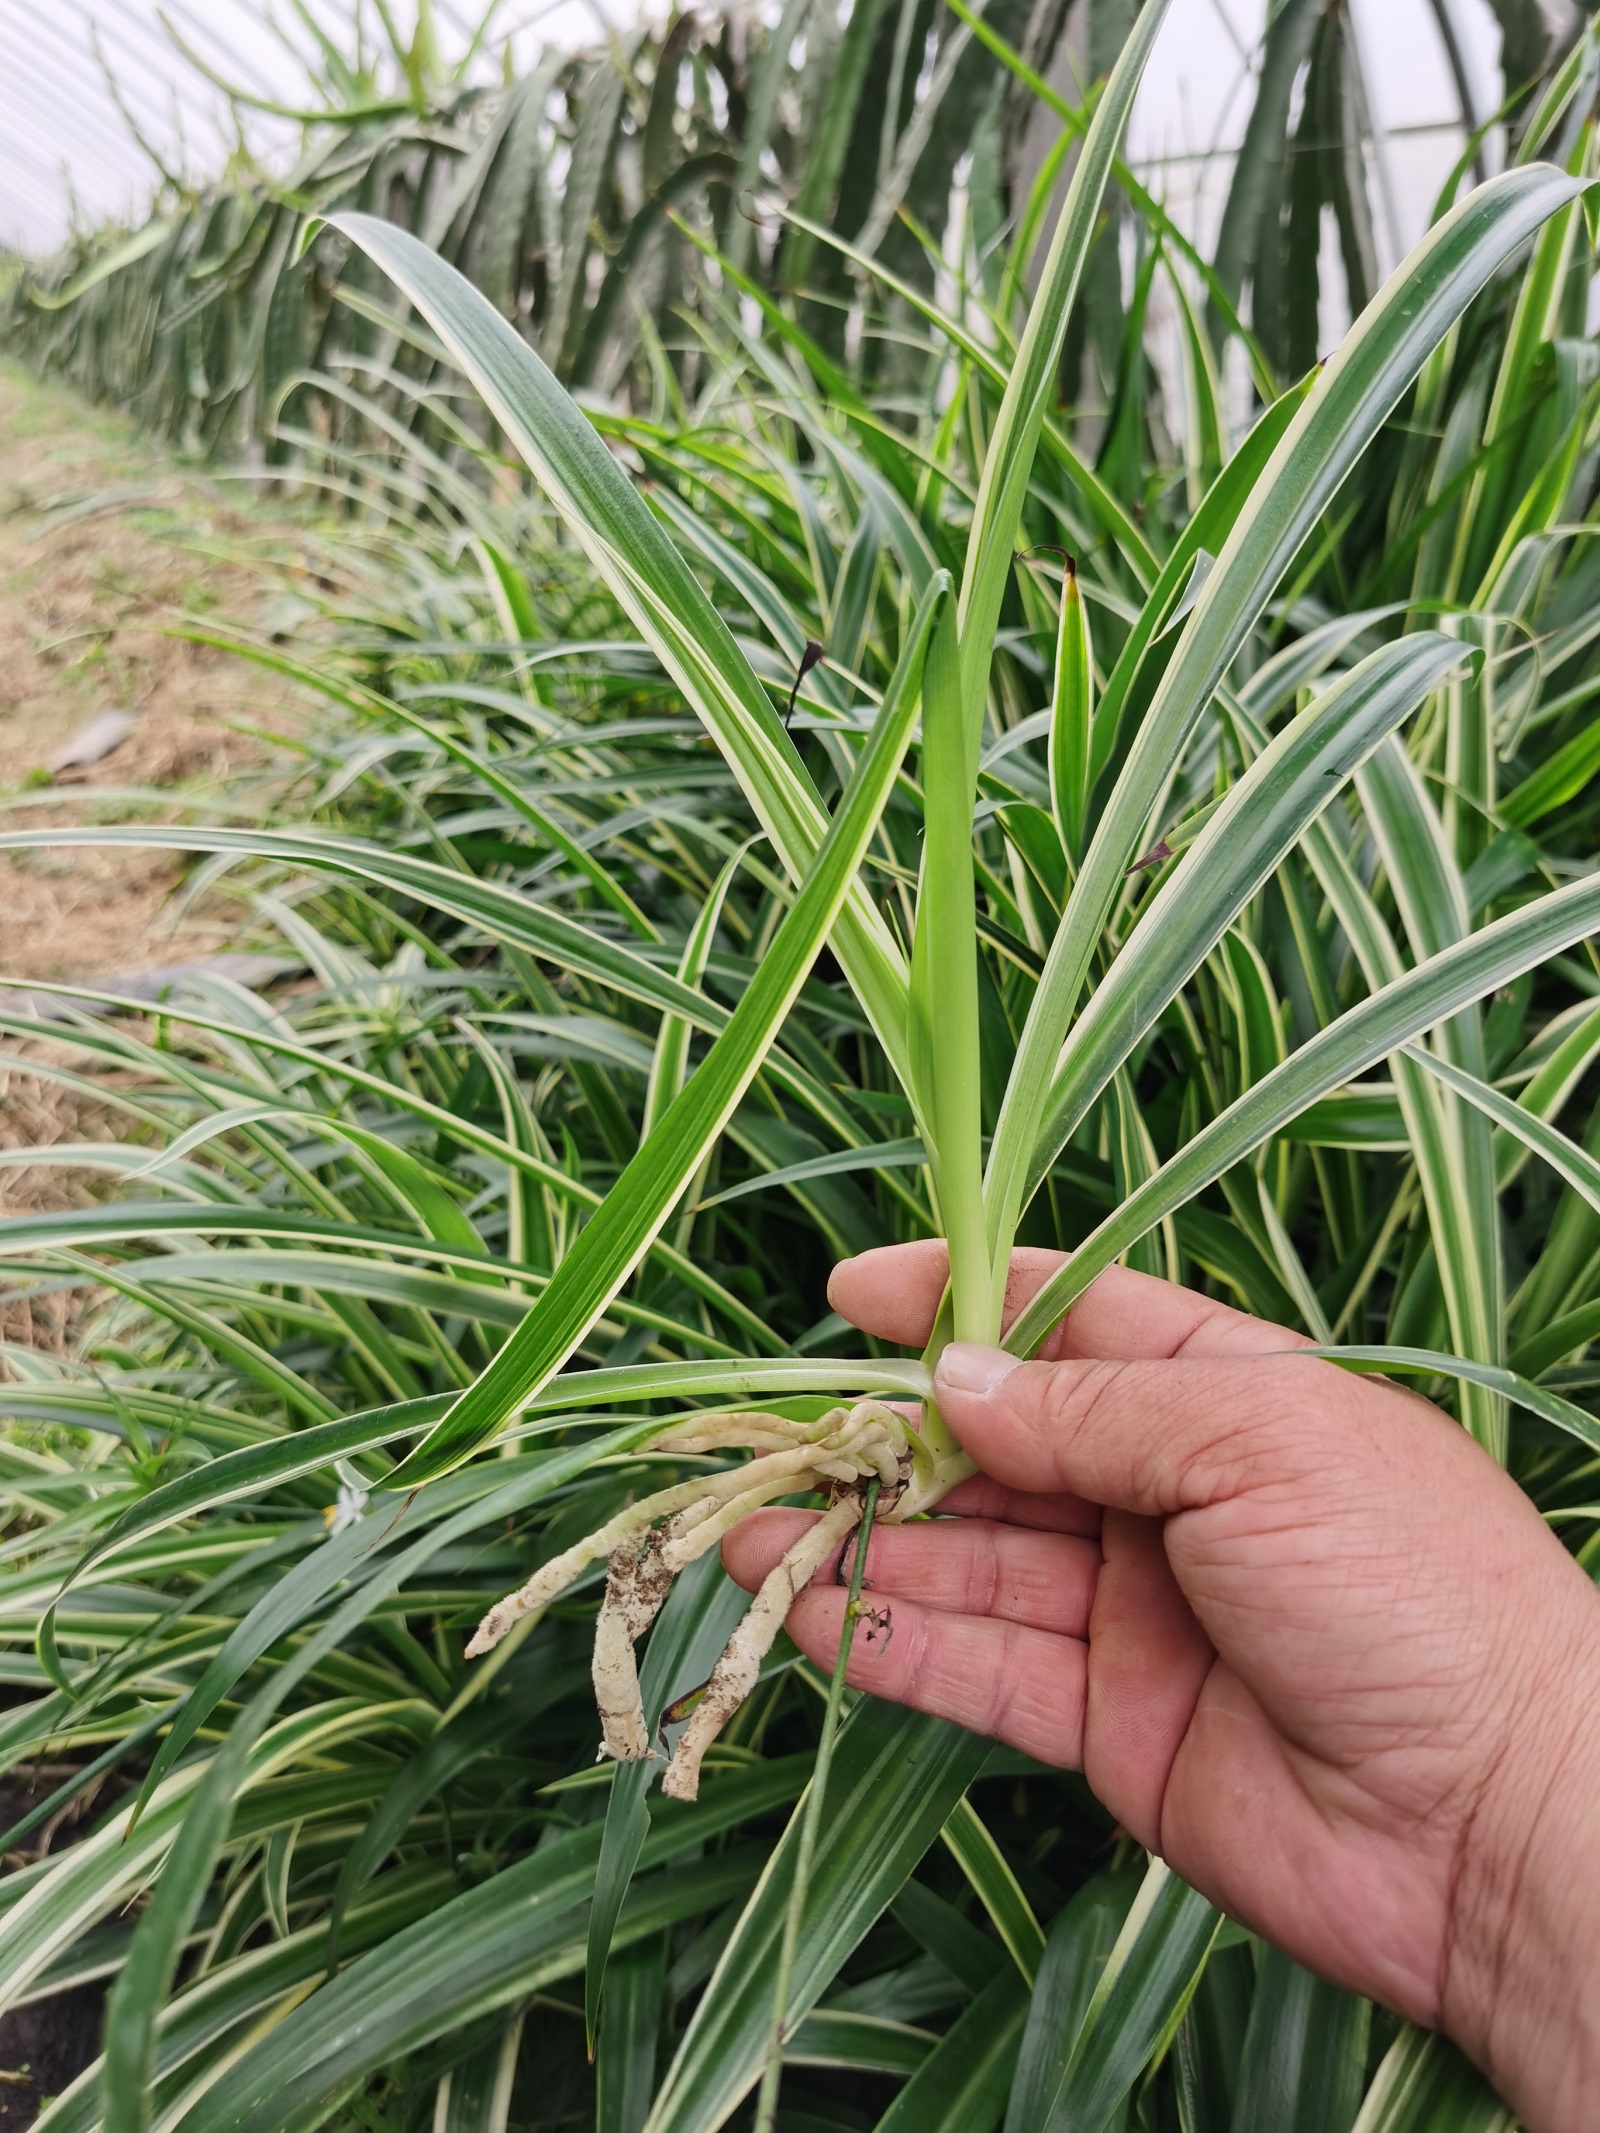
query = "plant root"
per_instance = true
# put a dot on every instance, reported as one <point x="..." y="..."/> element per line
<point x="646" y="1544"/>
<point x="563" y="1570"/>
<point x="736" y="1672"/>
<point x="636" y="1585"/>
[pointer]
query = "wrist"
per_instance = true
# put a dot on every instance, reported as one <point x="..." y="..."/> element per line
<point x="1520" y="1981"/>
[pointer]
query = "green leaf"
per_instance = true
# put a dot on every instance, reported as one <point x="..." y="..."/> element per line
<point x="625" y="2063"/>
<point x="1150" y="208"/>
<point x="1560" y="778"/>
<point x="1425" y="2086"/>
<point x="102" y="1872"/>
<point x="1366" y="1115"/>
<point x="159" y="1937"/>
<point x="258" y="1468"/>
<point x="949" y="1936"/>
<point x="1565" y="1157"/>
<point x="210" y="1218"/>
<point x="368" y="703"/>
<point x="1136" y="2006"/>
<point x="262" y="1983"/>
<point x="1201" y="539"/>
<point x="504" y="914"/>
<point x="459" y="1741"/>
<point x="287" y="1603"/>
<point x="1072" y="715"/>
<point x="517" y="1933"/>
<point x="146" y="1978"/>
<point x="839" y="99"/>
<point x="1255" y="195"/>
<point x="701" y="1613"/>
<point x="1352" y="397"/>
<point x="997" y="1887"/>
<point x="1305" y="2051"/>
<point x="1506" y="1383"/>
<point x="830" y="2037"/>
<point x="943" y="1033"/>
<point x="766" y="85"/>
<point x="620" y="1231"/>
<point x="1031" y="389"/>
<point x="1259" y="821"/>
<point x="475" y="2096"/>
<point x="1082" y="1936"/>
<point x="895" y="1779"/>
<point x="669" y="1068"/>
<point x="650" y="579"/>
<point x="1454" y="1152"/>
<point x="962" y="2085"/>
<point x="1380" y="1025"/>
<point x="111" y="261"/>
<point x="874" y="1155"/>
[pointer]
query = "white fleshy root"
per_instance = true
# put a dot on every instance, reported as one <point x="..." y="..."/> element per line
<point x="635" y="1588"/>
<point x="646" y="1544"/>
<point x="640" y="1578"/>
<point x="563" y="1570"/>
<point x="736" y="1672"/>
<point x="720" y="1433"/>
<point x="693" y="1541"/>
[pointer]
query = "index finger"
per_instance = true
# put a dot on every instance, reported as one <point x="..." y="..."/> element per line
<point x="894" y="1292"/>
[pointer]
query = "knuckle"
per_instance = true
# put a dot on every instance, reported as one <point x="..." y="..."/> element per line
<point x="1209" y="1315"/>
<point x="1068" y="1392"/>
<point x="1001" y="1688"/>
<point x="983" y="1570"/>
<point x="1267" y="1428"/>
<point x="1073" y="1396"/>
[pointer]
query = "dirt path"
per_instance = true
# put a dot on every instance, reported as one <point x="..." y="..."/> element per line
<point x="103" y="542"/>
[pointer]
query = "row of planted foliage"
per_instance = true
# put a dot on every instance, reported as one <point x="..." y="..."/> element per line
<point x="803" y="145"/>
<point x="544" y="898"/>
<point x="576" y="198"/>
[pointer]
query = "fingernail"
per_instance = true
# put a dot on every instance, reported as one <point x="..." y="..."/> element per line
<point x="966" y="1366"/>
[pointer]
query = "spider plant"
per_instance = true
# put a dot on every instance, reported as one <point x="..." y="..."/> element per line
<point x="1296" y="751"/>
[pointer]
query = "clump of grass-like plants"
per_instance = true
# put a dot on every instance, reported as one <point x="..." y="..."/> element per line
<point x="1218" y="901"/>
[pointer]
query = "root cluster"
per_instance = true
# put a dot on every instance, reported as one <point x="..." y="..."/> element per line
<point x="648" y="1543"/>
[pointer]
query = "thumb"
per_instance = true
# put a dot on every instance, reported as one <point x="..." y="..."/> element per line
<point x="1152" y="1435"/>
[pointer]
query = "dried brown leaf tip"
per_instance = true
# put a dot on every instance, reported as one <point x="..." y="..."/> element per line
<point x="1153" y="858"/>
<point x="810" y="657"/>
<point x="1069" y="562"/>
<point x="646" y="1544"/>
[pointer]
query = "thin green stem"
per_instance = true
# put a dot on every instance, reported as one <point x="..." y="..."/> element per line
<point x="810" y="1823"/>
<point x="945" y="1045"/>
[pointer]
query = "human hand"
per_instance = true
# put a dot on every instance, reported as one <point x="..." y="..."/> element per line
<point x="1304" y="1638"/>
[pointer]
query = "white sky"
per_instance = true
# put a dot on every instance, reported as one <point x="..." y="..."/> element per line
<point x="63" y="141"/>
